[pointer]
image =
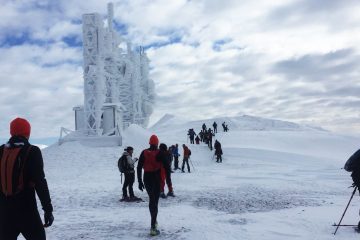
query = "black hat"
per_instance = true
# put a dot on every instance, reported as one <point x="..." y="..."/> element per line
<point x="129" y="149"/>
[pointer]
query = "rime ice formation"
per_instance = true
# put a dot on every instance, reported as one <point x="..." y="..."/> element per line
<point x="117" y="87"/>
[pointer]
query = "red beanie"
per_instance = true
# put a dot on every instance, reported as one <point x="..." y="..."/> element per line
<point x="20" y="127"/>
<point x="154" y="140"/>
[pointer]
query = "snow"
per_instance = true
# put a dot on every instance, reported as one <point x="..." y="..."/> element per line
<point x="278" y="180"/>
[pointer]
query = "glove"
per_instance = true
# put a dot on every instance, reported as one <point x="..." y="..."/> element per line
<point x="141" y="186"/>
<point x="48" y="218"/>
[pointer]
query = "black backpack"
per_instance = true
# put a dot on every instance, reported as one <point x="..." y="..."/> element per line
<point x="353" y="162"/>
<point x="123" y="164"/>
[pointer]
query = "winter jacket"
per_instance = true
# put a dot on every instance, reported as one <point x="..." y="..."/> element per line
<point x="175" y="151"/>
<point x="151" y="161"/>
<point x="217" y="146"/>
<point x="34" y="181"/>
<point x="186" y="152"/>
<point x="130" y="162"/>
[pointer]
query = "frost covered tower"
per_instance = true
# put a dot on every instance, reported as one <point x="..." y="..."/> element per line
<point x="117" y="88"/>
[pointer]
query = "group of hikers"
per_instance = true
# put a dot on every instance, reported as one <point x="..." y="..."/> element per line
<point x="206" y="136"/>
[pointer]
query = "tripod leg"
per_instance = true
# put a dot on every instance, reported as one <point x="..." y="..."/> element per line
<point x="352" y="195"/>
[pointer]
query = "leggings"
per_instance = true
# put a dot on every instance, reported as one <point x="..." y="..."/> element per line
<point x="152" y="186"/>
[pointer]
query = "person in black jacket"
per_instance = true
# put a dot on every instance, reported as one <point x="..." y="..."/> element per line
<point x="151" y="161"/>
<point x="129" y="173"/>
<point x="21" y="175"/>
<point x="218" y="151"/>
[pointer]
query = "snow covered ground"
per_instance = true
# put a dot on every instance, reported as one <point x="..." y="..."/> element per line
<point x="278" y="180"/>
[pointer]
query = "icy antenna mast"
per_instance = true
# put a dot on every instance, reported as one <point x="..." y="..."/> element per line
<point x="114" y="78"/>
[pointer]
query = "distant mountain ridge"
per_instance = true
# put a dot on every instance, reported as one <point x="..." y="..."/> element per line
<point x="241" y="122"/>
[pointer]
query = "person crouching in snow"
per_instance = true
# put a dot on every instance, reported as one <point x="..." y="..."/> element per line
<point x="151" y="161"/>
<point x="126" y="166"/>
<point x="21" y="176"/>
<point x="165" y="172"/>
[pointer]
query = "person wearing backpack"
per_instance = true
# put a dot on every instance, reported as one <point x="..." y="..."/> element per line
<point x="175" y="152"/>
<point x="126" y="166"/>
<point x="353" y="165"/>
<point x="186" y="156"/>
<point x="21" y="176"/>
<point x="151" y="161"/>
<point x="165" y="174"/>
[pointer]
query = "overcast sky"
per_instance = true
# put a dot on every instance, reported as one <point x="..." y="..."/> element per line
<point x="296" y="60"/>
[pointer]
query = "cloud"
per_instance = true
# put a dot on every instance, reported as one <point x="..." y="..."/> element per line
<point x="294" y="60"/>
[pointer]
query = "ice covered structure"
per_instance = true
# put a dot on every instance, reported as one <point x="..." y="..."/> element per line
<point x="117" y="88"/>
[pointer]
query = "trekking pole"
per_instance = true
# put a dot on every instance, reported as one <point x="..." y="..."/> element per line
<point x="192" y="164"/>
<point x="352" y="195"/>
<point x="213" y="158"/>
<point x="121" y="178"/>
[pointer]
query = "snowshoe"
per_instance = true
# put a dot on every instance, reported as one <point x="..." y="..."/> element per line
<point x="124" y="199"/>
<point x="171" y="194"/>
<point x="162" y="195"/>
<point x="135" y="199"/>
<point x="154" y="232"/>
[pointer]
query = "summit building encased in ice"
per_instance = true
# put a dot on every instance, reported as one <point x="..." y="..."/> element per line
<point x="117" y="88"/>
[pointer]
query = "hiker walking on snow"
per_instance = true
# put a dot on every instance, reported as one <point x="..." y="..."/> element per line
<point x="21" y="176"/>
<point x="126" y="166"/>
<point x="215" y="127"/>
<point x="175" y="152"/>
<point x="186" y="156"/>
<point x="210" y="135"/>
<point x="191" y="134"/>
<point x="224" y="126"/>
<point x="197" y="140"/>
<point x="218" y="151"/>
<point x="204" y="127"/>
<point x="165" y="172"/>
<point x="151" y="161"/>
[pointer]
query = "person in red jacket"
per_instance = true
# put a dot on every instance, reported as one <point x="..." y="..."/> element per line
<point x="186" y="156"/>
<point x="152" y="161"/>
<point x="21" y="176"/>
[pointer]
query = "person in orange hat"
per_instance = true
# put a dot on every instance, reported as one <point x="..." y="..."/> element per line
<point x="151" y="161"/>
<point x="21" y="176"/>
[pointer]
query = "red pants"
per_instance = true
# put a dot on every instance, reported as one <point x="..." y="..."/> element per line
<point x="162" y="182"/>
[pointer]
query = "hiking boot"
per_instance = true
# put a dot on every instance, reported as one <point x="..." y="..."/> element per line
<point x="182" y="171"/>
<point x="134" y="198"/>
<point x="162" y="195"/>
<point x="154" y="232"/>
<point x="125" y="198"/>
<point x="171" y="194"/>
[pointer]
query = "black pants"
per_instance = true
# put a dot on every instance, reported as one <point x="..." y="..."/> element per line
<point x="215" y="129"/>
<point x="129" y="182"/>
<point x="152" y="186"/>
<point x="28" y="223"/>
<point x="210" y="144"/>
<point x="191" y="140"/>
<point x="176" y="162"/>
<point x="218" y="158"/>
<point x="185" y="160"/>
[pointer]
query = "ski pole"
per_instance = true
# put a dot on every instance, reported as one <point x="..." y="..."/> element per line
<point x="352" y="195"/>
<point x="191" y="164"/>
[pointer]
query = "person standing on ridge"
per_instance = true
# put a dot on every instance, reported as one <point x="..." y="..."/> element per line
<point x="21" y="176"/>
<point x="186" y="156"/>
<point x="215" y="127"/>
<point x="151" y="161"/>
<point x="191" y="134"/>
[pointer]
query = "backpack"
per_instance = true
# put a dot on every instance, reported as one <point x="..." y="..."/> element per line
<point x="123" y="164"/>
<point x="353" y="162"/>
<point x="12" y="165"/>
